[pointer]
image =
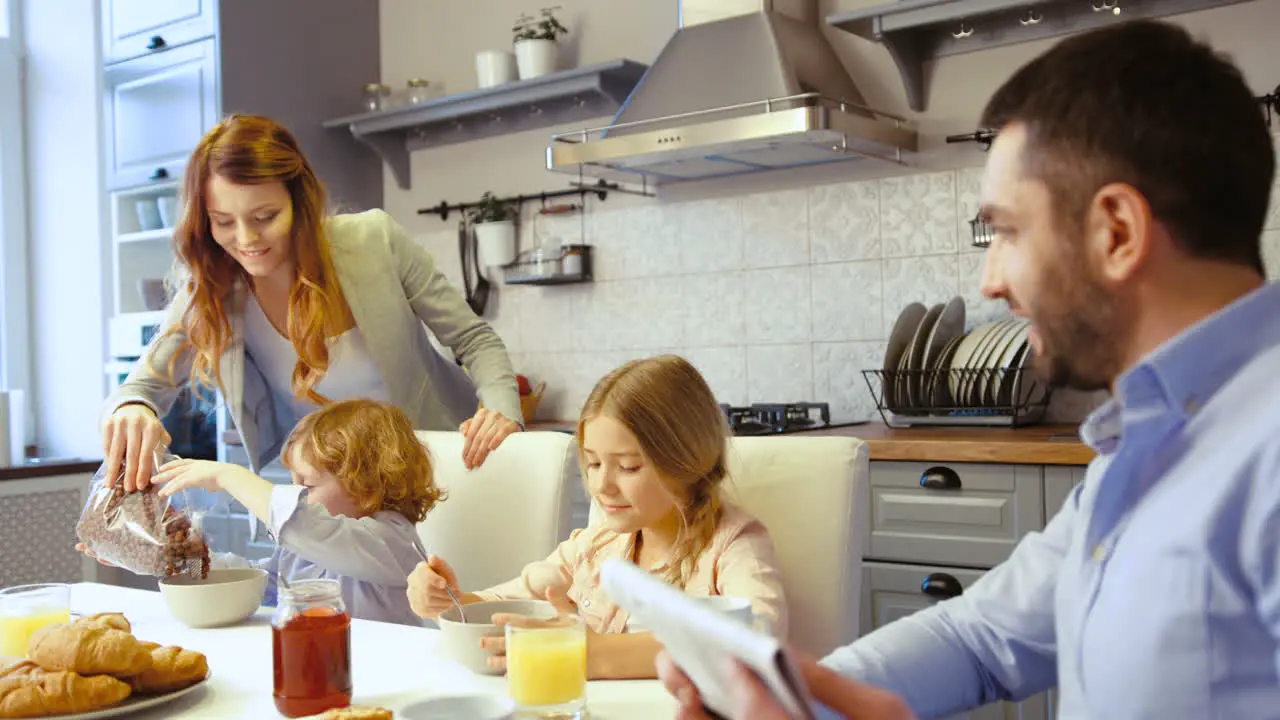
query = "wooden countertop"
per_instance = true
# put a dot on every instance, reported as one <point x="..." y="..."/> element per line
<point x="1034" y="445"/>
<point x="48" y="468"/>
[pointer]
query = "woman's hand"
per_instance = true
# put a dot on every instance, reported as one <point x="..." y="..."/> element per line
<point x="203" y="474"/>
<point x="131" y="437"/>
<point x="428" y="596"/>
<point x="484" y="433"/>
<point x="851" y="700"/>
<point x="497" y="646"/>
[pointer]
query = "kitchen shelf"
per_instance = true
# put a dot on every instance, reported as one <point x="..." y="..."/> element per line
<point x="535" y="268"/>
<point x="918" y="31"/>
<point x="555" y="99"/>
<point x="163" y="234"/>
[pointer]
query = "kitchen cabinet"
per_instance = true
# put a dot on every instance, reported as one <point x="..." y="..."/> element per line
<point x="932" y="529"/>
<point x="157" y="107"/>
<point x="173" y="68"/>
<point x="137" y="27"/>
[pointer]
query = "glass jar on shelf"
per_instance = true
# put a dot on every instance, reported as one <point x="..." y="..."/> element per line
<point x="377" y="96"/>
<point x="417" y="90"/>
<point x="311" y="648"/>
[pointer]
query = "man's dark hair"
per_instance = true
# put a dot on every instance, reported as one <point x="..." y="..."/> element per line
<point x="1144" y="103"/>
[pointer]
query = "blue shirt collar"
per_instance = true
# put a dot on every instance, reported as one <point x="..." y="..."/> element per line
<point x="1183" y="373"/>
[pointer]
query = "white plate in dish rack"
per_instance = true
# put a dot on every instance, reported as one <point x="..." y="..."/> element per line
<point x="133" y="704"/>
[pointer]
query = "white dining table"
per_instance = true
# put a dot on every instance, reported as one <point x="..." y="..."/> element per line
<point x="393" y="666"/>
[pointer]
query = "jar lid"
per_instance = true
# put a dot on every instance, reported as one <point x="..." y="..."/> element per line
<point x="317" y="590"/>
<point x="418" y="82"/>
<point x="376" y="87"/>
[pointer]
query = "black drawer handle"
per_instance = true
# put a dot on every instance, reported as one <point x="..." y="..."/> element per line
<point x="940" y="478"/>
<point x="155" y="43"/>
<point x="941" y="586"/>
<point x="159" y="174"/>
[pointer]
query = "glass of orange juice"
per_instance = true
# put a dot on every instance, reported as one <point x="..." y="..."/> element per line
<point x="547" y="666"/>
<point x="27" y="608"/>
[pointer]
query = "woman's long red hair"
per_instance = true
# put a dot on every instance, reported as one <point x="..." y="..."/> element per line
<point x="250" y="149"/>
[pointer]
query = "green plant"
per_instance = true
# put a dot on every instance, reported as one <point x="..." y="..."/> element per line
<point x="491" y="209"/>
<point x="546" y="27"/>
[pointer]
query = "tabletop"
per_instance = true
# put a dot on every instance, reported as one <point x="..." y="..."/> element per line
<point x="392" y="665"/>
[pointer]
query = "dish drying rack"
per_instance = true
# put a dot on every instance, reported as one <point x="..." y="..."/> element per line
<point x="993" y="397"/>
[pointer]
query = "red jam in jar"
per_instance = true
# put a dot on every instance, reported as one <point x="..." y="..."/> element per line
<point x="311" y="649"/>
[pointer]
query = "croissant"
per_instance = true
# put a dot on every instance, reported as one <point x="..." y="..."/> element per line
<point x="115" y="621"/>
<point x="20" y="667"/>
<point x="57" y="693"/>
<point x="88" y="649"/>
<point x="172" y="668"/>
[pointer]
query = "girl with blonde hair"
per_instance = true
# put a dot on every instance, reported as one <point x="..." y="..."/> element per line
<point x="652" y="443"/>
<point x="283" y="309"/>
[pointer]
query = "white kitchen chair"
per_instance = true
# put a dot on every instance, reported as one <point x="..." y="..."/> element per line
<point x="808" y="492"/>
<point x="510" y="511"/>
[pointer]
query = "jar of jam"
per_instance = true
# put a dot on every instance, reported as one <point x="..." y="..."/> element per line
<point x="311" y="648"/>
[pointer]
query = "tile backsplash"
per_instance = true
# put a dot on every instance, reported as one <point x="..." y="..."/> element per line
<point x="776" y="297"/>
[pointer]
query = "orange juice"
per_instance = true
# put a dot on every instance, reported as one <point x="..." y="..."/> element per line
<point x="16" y="630"/>
<point x="546" y="666"/>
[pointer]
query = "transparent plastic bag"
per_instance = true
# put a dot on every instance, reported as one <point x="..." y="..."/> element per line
<point x="143" y="532"/>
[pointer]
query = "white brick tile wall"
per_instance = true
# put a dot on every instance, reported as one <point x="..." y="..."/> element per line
<point x="780" y="296"/>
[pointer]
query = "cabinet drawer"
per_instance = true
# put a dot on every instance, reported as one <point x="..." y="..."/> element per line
<point x="951" y="514"/>
<point x="891" y="592"/>
<point x="139" y="27"/>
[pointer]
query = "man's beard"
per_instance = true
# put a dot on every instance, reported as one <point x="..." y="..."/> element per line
<point x="1080" y="327"/>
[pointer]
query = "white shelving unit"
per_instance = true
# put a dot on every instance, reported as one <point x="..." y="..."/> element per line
<point x="138" y="252"/>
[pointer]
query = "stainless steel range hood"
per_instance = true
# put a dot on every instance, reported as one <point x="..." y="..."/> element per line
<point x="743" y="86"/>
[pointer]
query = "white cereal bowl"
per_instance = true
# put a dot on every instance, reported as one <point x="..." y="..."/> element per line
<point x="224" y="598"/>
<point x="451" y="707"/>
<point x="461" y="641"/>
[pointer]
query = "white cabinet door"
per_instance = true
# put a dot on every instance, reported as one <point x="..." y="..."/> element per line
<point x="131" y="28"/>
<point x="157" y="109"/>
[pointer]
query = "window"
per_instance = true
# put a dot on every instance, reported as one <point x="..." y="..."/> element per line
<point x="15" y="362"/>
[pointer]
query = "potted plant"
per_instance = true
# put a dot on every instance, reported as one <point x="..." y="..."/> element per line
<point x="495" y="225"/>
<point x="535" y="42"/>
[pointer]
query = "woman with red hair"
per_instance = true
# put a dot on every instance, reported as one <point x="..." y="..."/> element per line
<point x="284" y="309"/>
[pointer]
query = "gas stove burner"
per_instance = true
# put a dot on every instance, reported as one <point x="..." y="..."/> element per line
<point x="776" y="418"/>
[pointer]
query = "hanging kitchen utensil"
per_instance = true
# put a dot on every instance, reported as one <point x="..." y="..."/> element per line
<point x="468" y="252"/>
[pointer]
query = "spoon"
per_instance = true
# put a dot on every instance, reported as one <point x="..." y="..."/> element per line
<point x="422" y="553"/>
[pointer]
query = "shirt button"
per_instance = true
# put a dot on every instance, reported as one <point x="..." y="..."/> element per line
<point x="586" y="603"/>
<point x="1099" y="552"/>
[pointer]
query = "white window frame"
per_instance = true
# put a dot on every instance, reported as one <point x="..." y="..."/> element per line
<point x="15" y="330"/>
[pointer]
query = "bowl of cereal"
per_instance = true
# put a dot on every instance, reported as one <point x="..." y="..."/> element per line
<point x="460" y="640"/>
<point x="225" y="597"/>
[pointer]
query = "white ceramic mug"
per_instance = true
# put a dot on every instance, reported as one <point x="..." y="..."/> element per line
<point x="495" y="67"/>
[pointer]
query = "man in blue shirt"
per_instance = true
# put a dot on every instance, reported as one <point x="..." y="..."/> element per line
<point x="1128" y="186"/>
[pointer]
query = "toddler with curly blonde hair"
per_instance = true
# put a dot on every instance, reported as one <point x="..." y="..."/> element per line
<point x="362" y="481"/>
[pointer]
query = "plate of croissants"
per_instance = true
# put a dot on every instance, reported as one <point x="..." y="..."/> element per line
<point x="93" y="667"/>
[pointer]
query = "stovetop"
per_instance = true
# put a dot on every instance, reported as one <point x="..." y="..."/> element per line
<point x="780" y="418"/>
